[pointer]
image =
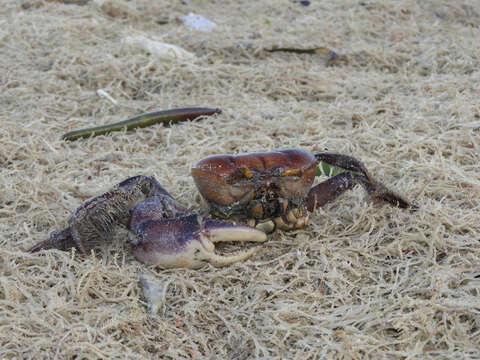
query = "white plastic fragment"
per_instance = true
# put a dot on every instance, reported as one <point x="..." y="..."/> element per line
<point x="160" y="50"/>
<point x="198" y="22"/>
<point x="103" y="93"/>
<point x="153" y="291"/>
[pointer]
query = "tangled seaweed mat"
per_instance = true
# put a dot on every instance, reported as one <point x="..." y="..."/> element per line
<point x="360" y="282"/>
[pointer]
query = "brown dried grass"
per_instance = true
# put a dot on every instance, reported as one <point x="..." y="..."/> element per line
<point x="361" y="281"/>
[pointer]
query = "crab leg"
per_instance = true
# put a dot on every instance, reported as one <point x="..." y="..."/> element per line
<point x="330" y="189"/>
<point x="188" y="241"/>
<point x="61" y="240"/>
<point x="344" y="162"/>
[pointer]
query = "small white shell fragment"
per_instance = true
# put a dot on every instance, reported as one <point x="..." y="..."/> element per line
<point x="158" y="49"/>
<point x="198" y="22"/>
<point x="153" y="291"/>
<point x="103" y="93"/>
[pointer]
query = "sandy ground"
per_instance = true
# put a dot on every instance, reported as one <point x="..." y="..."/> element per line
<point x="361" y="281"/>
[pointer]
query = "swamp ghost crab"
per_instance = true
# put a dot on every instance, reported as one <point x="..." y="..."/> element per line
<point x="264" y="191"/>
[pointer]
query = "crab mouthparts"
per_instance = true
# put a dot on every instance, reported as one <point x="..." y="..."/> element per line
<point x="189" y="241"/>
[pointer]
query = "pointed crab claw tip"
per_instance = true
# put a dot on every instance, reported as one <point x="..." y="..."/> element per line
<point x="225" y="260"/>
<point x="218" y="231"/>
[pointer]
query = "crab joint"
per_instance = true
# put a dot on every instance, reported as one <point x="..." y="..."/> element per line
<point x="344" y="162"/>
<point x="189" y="241"/>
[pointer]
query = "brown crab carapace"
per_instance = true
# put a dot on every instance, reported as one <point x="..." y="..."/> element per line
<point x="274" y="189"/>
<point x="163" y="232"/>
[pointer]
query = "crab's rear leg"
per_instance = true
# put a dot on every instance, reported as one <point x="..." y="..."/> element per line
<point x="61" y="240"/>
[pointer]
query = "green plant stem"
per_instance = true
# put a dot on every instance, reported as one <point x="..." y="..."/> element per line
<point x="166" y="117"/>
<point x="328" y="170"/>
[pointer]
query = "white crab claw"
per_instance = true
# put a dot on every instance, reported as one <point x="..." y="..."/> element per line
<point x="188" y="241"/>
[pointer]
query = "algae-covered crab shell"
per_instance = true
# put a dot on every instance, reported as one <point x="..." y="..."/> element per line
<point x="225" y="180"/>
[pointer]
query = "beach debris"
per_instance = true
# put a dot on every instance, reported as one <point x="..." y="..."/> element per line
<point x="103" y="93"/>
<point x="303" y="2"/>
<point x="159" y="49"/>
<point x="332" y="57"/>
<point x="165" y="117"/>
<point x="38" y="3"/>
<point x="198" y="22"/>
<point x="153" y="291"/>
<point x="115" y="8"/>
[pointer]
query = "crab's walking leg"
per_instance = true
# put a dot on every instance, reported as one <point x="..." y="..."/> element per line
<point x="188" y="241"/>
<point x="342" y="182"/>
<point x="57" y="240"/>
<point x="344" y="162"/>
<point x="330" y="189"/>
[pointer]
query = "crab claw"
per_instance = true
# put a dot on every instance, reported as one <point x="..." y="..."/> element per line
<point x="188" y="241"/>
